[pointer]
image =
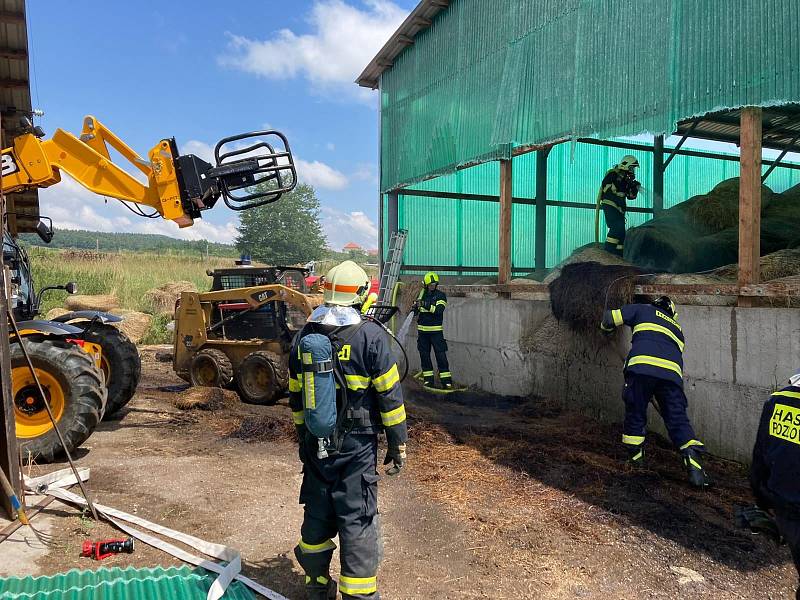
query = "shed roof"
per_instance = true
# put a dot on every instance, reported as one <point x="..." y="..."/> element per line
<point x="15" y="101"/>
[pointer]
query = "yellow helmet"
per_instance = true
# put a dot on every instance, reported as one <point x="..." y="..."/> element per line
<point x="430" y="277"/>
<point x="346" y="284"/>
<point x="628" y="163"/>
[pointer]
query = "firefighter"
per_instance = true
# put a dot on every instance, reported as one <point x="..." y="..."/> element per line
<point x="654" y="367"/>
<point x="430" y="306"/>
<point x="775" y="471"/>
<point x="339" y="491"/>
<point x="619" y="185"/>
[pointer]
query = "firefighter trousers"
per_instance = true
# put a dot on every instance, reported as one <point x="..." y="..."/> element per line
<point x="615" y="221"/>
<point x="433" y="339"/>
<point x="789" y="526"/>
<point x="340" y="494"/>
<point x="670" y="400"/>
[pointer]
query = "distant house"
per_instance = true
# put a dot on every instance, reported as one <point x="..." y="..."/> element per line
<point x="351" y="247"/>
<point x="373" y="252"/>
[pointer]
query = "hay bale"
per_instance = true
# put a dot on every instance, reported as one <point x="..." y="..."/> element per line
<point x="594" y="253"/>
<point x="776" y="265"/>
<point x="101" y="302"/>
<point x="720" y="209"/>
<point x="162" y="299"/>
<point x="54" y="313"/>
<point x="205" y="398"/>
<point x="134" y="324"/>
<point x="408" y="295"/>
<point x="697" y="279"/>
<point x="582" y="291"/>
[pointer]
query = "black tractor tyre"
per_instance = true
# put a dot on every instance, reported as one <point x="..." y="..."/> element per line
<point x="80" y="387"/>
<point x="262" y="378"/>
<point x="211" y="368"/>
<point x="122" y="365"/>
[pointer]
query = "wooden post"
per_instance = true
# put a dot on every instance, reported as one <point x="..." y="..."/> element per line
<point x="540" y="250"/>
<point x="504" y="263"/>
<point x="749" y="200"/>
<point x="658" y="174"/>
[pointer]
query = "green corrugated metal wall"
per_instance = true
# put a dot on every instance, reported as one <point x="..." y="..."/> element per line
<point x="491" y="75"/>
<point x="455" y="233"/>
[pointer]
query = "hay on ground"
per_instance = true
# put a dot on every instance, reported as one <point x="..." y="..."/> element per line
<point x="163" y="298"/>
<point x="582" y="291"/>
<point x="264" y="428"/>
<point x="134" y="324"/>
<point x="101" y="302"/>
<point x="204" y="398"/>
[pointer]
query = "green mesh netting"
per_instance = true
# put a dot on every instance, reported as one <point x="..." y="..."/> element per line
<point x="491" y="75"/>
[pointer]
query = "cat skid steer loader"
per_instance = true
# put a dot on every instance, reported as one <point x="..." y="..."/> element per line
<point x="241" y="336"/>
<point x="82" y="363"/>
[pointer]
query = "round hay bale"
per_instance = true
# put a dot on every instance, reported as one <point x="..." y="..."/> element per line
<point x="584" y="290"/>
<point x="54" y="313"/>
<point x="162" y="299"/>
<point x="594" y="253"/>
<point x="134" y="324"/>
<point x="101" y="302"/>
<point x="720" y="209"/>
<point x="695" y="279"/>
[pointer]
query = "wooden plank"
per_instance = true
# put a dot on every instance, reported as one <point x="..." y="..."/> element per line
<point x="504" y="257"/>
<point x="749" y="199"/>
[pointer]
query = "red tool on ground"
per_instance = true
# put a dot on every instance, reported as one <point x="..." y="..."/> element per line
<point x="105" y="548"/>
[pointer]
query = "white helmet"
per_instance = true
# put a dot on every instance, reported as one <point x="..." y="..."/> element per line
<point x="794" y="380"/>
<point x="628" y="163"/>
<point x="346" y="284"/>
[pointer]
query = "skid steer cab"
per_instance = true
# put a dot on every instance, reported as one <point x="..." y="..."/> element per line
<point x="88" y="368"/>
<point x="239" y="336"/>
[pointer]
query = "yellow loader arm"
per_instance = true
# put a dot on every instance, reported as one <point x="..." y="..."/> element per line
<point x="251" y="170"/>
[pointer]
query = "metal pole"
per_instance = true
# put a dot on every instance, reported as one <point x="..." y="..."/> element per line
<point x="540" y="250"/>
<point x="393" y="217"/>
<point x="658" y="174"/>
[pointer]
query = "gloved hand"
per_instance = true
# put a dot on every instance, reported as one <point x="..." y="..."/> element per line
<point x="396" y="456"/>
<point x="415" y="307"/>
<point x="758" y="520"/>
<point x="606" y="331"/>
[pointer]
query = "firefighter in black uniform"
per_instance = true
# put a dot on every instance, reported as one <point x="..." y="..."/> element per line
<point x="430" y="306"/>
<point x="654" y="367"/>
<point x="340" y="491"/>
<point x="619" y="185"/>
<point x="775" y="472"/>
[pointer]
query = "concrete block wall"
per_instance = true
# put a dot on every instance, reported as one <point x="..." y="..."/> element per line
<point x="733" y="358"/>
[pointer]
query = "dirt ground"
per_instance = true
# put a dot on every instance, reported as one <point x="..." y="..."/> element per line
<point x="502" y="498"/>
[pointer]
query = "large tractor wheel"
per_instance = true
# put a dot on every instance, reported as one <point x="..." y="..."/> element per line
<point x="211" y="368"/>
<point x="262" y="378"/>
<point x="73" y="387"/>
<point x="120" y="364"/>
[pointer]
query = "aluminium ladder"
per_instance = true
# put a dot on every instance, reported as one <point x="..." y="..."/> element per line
<point x="391" y="268"/>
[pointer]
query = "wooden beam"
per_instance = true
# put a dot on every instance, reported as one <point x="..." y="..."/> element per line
<point x="504" y="263"/>
<point x="13" y="54"/>
<point x="749" y="200"/>
<point x="14" y="83"/>
<point x="405" y="40"/>
<point x="9" y="16"/>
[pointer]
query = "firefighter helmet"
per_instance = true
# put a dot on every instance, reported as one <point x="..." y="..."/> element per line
<point x="795" y="379"/>
<point x="346" y="284"/>
<point x="628" y="163"/>
<point x="666" y="304"/>
<point x="430" y="277"/>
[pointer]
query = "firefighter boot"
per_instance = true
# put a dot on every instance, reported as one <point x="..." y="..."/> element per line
<point x="322" y="588"/>
<point x="697" y="474"/>
<point x="635" y="456"/>
<point x="427" y="379"/>
<point x="446" y="379"/>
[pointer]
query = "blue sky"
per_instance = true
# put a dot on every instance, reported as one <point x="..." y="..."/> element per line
<point x="203" y="70"/>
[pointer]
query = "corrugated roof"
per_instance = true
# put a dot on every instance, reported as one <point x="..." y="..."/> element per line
<point x="15" y="101"/>
<point x="420" y="18"/>
<point x="173" y="583"/>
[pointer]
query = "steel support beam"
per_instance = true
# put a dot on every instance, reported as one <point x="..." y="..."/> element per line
<point x="658" y="174"/>
<point x="540" y="250"/>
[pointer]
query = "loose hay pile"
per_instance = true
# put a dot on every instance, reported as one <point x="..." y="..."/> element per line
<point x="163" y="298"/>
<point x="134" y="324"/>
<point x="264" y="428"/>
<point x="588" y="253"/>
<point x="719" y="209"/>
<point x="578" y="296"/>
<point x="101" y="302"/>
<point x="408" y="295"/>
<point x="205" y="398"/>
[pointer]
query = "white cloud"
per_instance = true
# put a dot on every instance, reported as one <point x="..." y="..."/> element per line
<point x="366" y="172"/>
<point x="341" y="227"/>
<point x="200" y="150"/>
<point x="71" y="206"/>
<point x="320" y="175"/>
<point x="343" y="40"/>
<point x="331" y="146"/>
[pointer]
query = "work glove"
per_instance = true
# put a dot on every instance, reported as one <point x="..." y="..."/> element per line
<point x="415" y="307"/>
<point x="396" y="456"/>
<point x="607" y="331"/>
<point x="757" y="520"/>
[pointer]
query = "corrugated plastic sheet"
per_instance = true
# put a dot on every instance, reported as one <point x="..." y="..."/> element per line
<point x="173" y="583"/>
<point x="489" y="76"/>
<point x="452" y="232"/>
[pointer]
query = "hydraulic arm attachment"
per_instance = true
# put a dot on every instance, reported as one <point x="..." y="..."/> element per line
<point x="252" y="169"/>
